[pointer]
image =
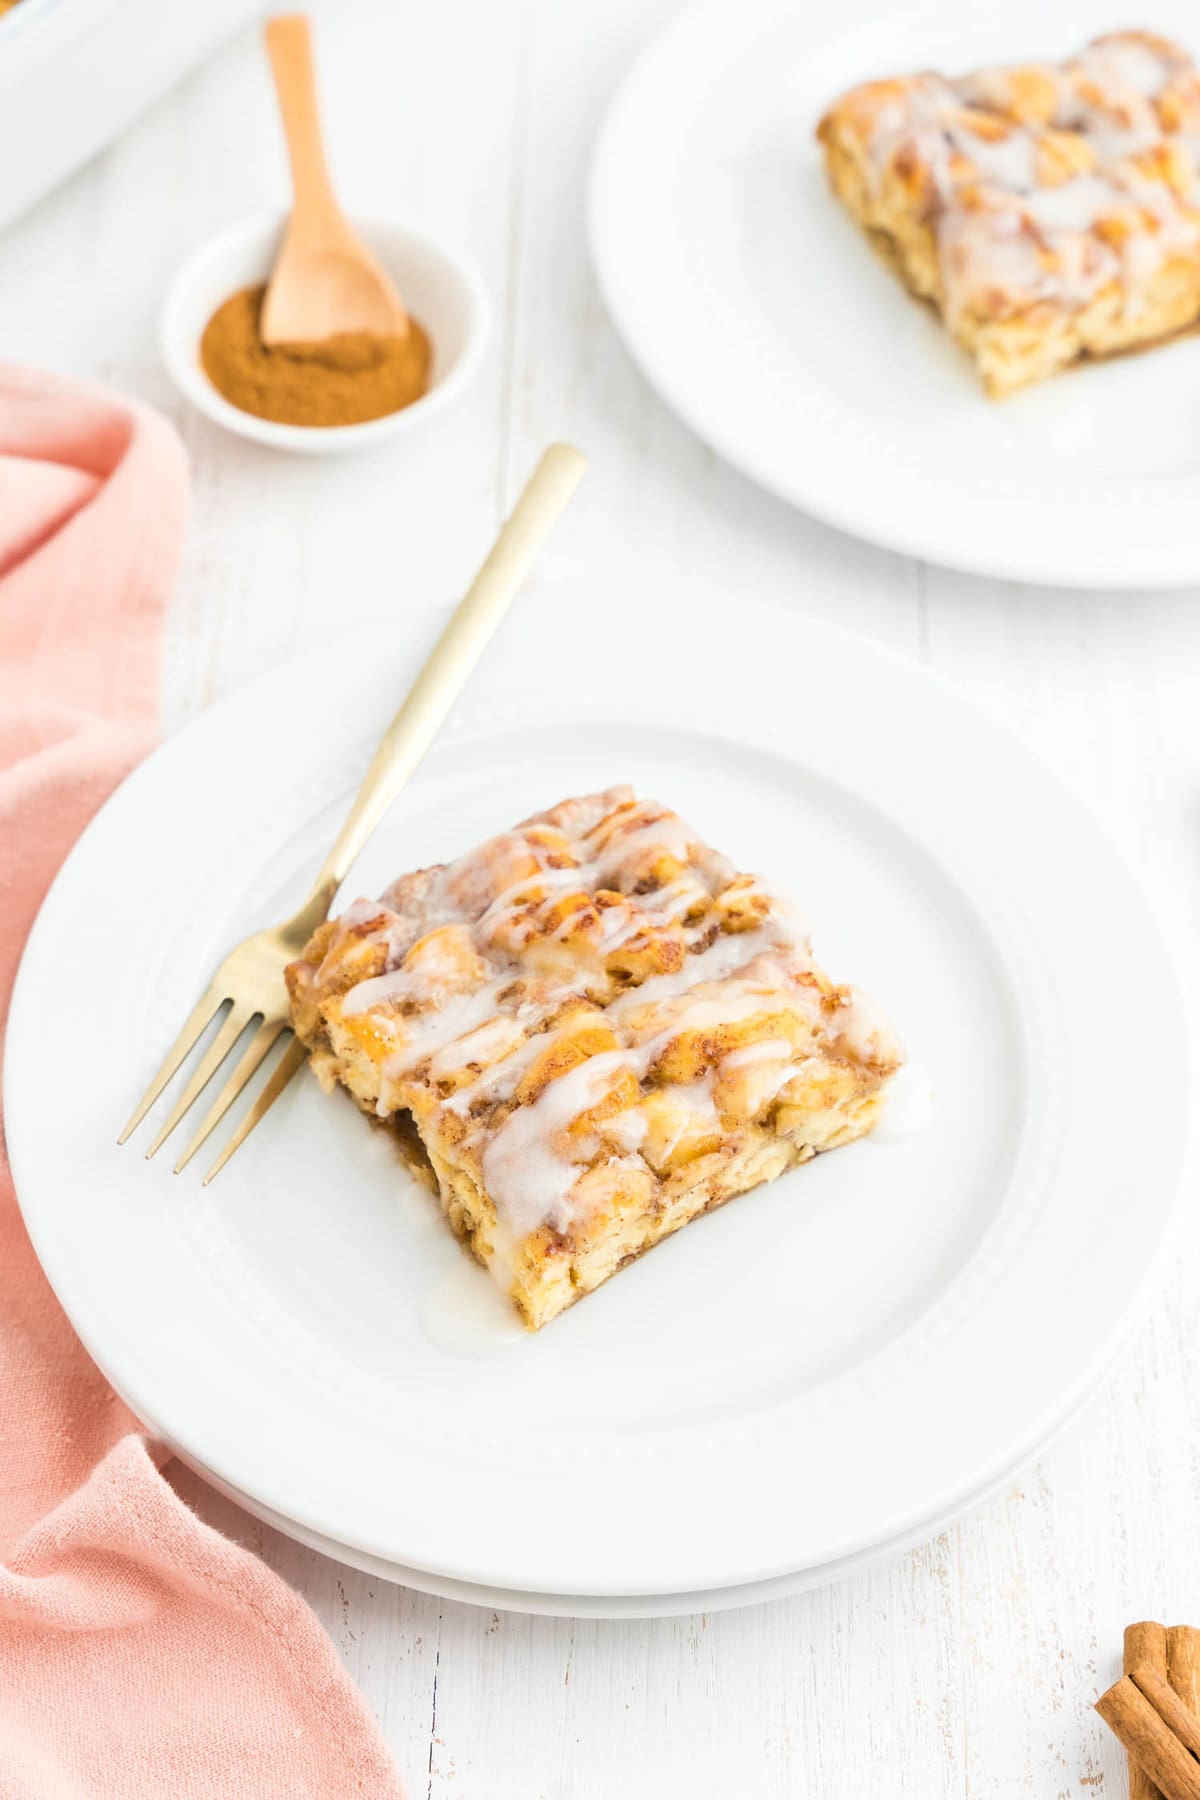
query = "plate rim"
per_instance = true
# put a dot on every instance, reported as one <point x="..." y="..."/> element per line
<point x="1011" y="538"/>
<point x="818" y="638"/>
<point x="660" y="1603"/>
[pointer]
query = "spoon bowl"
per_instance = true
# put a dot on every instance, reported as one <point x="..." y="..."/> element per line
<point x="316" y="287"/>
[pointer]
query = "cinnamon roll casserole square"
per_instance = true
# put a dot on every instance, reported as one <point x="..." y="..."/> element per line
<point x="586" y="1032"/>
<point x="1048" y="211"/>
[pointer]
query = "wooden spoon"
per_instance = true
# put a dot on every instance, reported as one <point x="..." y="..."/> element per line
<point x="325" y="280"/>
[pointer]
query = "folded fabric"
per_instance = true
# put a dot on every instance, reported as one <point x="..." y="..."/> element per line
<point x="141" y="1653"/>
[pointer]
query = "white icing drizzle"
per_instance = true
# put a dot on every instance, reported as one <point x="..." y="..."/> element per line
<point x="1011" y="231"/>
<point x="758" y="1072"/>
<point x="620" y="923"/>
<point x="695" y="1099"/>
<point x="360" y="912"/>
<point x="694" y="1105"/>
<point x="456" y="1017"/>
<point x="726" y="1004"/>
<point x="1073" y="205"/>
<point x="726" y="954"/>
<point x="645" y="844"/>
<point x="500" y="959"/>
<point x="626" y="1130"/>
<point x="677" y="897"/>
<point x="498" y="1081"/>
<point x="526" y="1172"/>
<point x="765" y="1050"/>
<point x="379" y="990"/>
<point x="488" y="1044"/>
<point x="1007" y="162"/>
<point x="525" y="898"/>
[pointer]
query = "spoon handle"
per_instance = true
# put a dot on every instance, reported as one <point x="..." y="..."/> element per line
<point x="289" y="45"/>
<point x="454" y="655"/>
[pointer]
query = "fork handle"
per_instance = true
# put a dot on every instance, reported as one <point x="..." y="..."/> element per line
<point x="453" y="657"/>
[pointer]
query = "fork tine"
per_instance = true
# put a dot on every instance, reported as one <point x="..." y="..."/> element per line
<point x="201" y="1015"/>
<point x="236" y="1021"/>
<point x="253" y="1054"/>
<point x="291" y="1060"/>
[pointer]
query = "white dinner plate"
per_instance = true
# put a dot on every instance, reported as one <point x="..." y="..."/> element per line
<point x="822" y="1366"/>
<point x="757" y="309"/>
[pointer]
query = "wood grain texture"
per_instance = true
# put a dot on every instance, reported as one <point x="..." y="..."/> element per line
<point x="966" y="1669"/>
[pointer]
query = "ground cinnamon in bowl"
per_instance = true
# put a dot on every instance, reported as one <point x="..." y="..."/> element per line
<point x="343" y="381"/>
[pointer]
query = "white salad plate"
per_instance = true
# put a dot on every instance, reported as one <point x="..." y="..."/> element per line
<point x="758" y="310"/>
<point x="825" y="1366"/>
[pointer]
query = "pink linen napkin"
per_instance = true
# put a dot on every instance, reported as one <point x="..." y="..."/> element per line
<point x="141" y="1654"/>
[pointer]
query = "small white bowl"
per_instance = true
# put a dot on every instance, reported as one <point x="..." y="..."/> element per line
<point x="438" y="285"/>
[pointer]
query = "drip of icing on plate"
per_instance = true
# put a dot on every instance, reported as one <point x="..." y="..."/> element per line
<point x="910" y="1108"/>
<point x="466" y="1314"/>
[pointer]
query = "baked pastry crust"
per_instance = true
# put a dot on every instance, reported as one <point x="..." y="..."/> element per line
<point x="591" y="1028"/>
<point x="1048" y="211"/>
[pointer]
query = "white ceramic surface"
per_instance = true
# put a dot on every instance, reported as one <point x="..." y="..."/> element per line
<point x="565" y="1606"/>
<point x="439" y="285"/>
<point x="75" y="74"/>
<point x="817" y="1369"/>
<point x="760" y="313"/>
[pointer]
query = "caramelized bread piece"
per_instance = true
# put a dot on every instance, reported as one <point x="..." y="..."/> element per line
<point x="1049" y="212"/>
<point x="596" y="1029"/>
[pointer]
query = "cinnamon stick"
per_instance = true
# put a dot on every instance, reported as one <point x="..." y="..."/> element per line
<point x="1183" y="1664"/>
<point x="1151" y="1742"/>
<point x="1145" y="1642"/>
<point x="1177" y="1717"/>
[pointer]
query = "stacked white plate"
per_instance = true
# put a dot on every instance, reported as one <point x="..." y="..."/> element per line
<point x="823" y="1370"/>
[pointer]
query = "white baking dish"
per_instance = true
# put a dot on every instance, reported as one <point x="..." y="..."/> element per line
<point x="74" y="74"/>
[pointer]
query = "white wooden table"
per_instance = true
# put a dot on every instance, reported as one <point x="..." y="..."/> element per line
<point x="967" y="1667"/>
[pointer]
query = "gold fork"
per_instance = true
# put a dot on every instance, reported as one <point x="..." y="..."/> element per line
<point x="250" y="980"/>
